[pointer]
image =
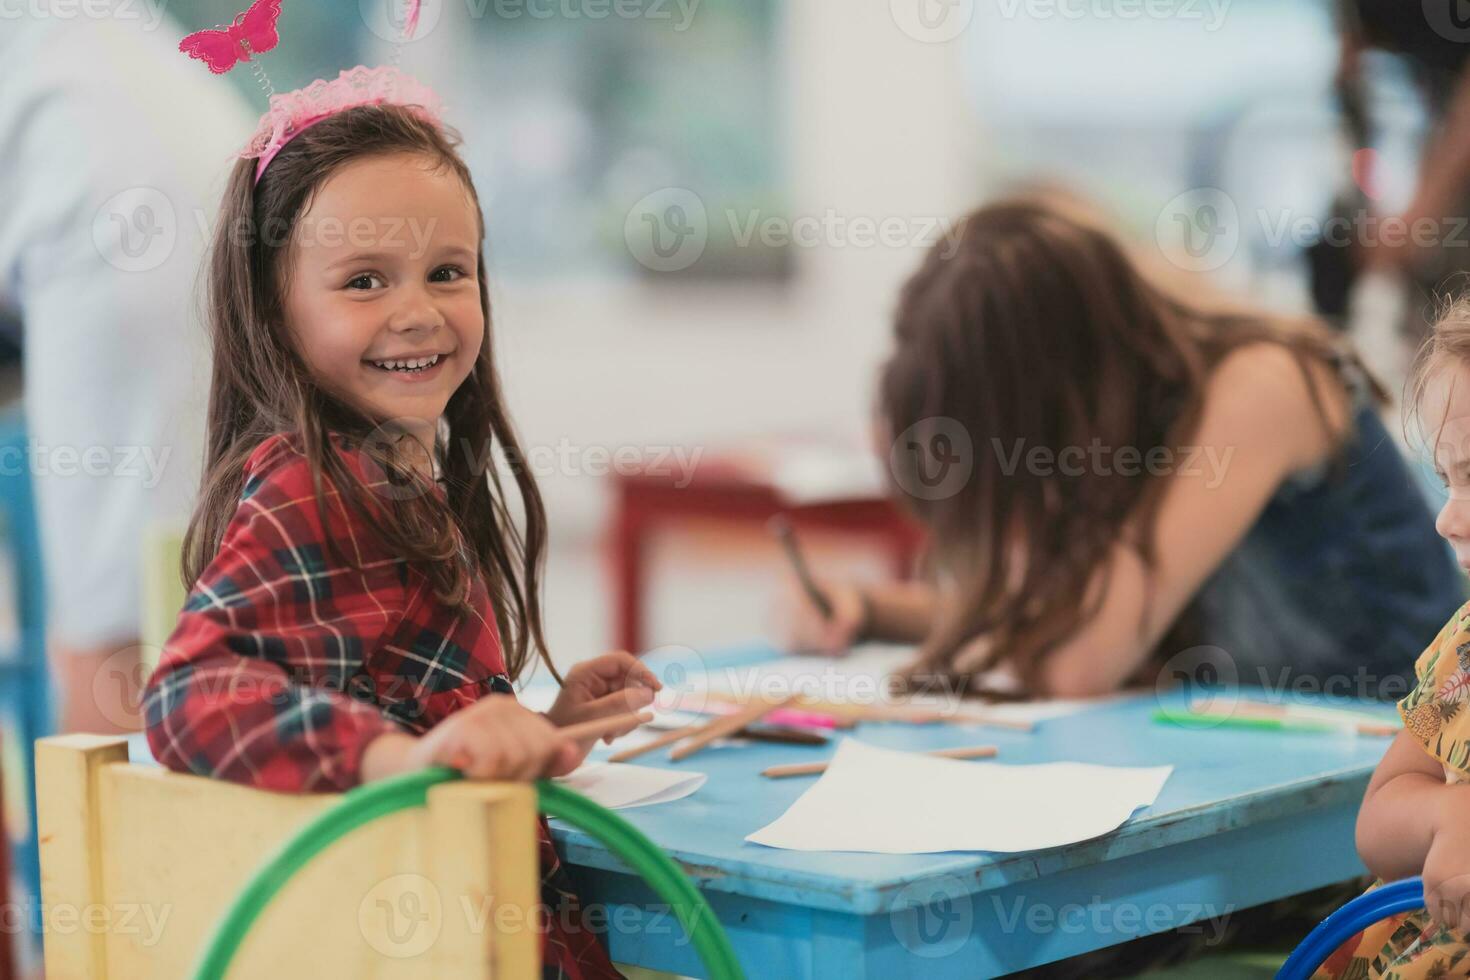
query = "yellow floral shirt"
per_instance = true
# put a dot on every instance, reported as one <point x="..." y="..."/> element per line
<point x="1410" y="946"/>
<point x="1435" y="711"/>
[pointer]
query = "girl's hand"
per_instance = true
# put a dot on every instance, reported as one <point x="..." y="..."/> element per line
<point x="612" y="684"/>
<point x="801" y="627"/>
<point x="1447" y="870"/>
<point x="496" y="738"/>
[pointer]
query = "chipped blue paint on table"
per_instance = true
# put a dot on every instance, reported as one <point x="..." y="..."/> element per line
<point x="1246" y="817"/>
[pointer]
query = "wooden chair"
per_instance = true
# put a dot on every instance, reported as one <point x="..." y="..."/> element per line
<point x="162" y="592"/>
<point x="138" y="864"/>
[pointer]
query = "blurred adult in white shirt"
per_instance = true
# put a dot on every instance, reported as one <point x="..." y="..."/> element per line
<point x="113" y="152"/>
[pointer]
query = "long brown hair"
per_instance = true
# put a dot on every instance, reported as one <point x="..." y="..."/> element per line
<point x="261" y="386"/>
<point x="1034" y="327"/>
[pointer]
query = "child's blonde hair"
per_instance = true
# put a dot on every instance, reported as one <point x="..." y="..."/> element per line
<point x="261" y="385"/>
<point x="1448" y="343"/>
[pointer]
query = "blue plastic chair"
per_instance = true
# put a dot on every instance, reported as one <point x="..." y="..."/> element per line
<point x="25" y="690"/>
<point x="1347" y="922"/>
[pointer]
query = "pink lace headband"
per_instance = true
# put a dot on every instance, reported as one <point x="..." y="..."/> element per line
<point x="254" y="32"/>
<point x="293" y="113"/>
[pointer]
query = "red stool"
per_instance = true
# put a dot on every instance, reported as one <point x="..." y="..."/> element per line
<point x="729" y="490"/>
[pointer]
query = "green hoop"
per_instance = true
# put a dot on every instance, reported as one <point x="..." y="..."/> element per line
<point x="370" y="801"/>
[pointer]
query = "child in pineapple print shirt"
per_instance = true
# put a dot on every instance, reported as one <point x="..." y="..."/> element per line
<point x="1415" y="818"/>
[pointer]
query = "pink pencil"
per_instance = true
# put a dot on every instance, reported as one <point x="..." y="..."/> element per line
<point x="795" y="717"/>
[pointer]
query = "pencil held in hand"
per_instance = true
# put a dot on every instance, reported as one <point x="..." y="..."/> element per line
<point x="780" y="526"/>
<point x="605" y="727"/>
<point x="703" y="733"/>
<point x="597" y="728"/>
<point x="667" y="738"/>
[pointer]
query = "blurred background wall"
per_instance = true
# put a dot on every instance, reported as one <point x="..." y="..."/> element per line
<point x="700" y="214"/>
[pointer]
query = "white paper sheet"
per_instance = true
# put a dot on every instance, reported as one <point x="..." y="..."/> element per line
<point x="888" y="802"/>
<point x="619" y="786"/>
<point x="858" y="678"/>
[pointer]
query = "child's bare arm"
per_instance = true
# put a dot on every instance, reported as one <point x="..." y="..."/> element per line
<point x="494" y="738"/>
<point x="387" y="755"/>
<point x="1406" y="805"/>
<point x="896" y="612"/>
<point x="1258" y="425"/>
<point x="902" y="612"/>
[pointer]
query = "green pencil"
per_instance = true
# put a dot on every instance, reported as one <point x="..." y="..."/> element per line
<point x="1207" y="719"/>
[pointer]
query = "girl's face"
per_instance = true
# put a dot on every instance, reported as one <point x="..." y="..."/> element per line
<point x="1445" y="411"/>
<point x="382" y="297"/>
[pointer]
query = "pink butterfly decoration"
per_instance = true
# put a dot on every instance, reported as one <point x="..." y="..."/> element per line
<point x="253" y="32"/>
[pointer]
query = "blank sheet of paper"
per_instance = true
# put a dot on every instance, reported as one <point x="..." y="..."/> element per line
<point x="889" y="802"/>
<point x="619" y="786"/>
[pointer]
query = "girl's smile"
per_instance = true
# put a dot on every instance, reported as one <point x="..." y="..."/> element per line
<point x="414" y="368"/>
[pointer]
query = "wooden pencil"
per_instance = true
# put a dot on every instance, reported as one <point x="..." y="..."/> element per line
<point x="855" y="711"/>
<point x="813" y="768"/>
<point x="727" y="725"/>
<point x="667" y="738"/>
<point x="987" y="719"/>
<point x="917" y="714"/>
<point x="598" y="727"/>
<point x="780" y="526"/>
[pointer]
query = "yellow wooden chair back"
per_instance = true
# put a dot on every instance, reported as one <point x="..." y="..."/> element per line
<point x="162" y="589"/>
<point x="139" y="863"/>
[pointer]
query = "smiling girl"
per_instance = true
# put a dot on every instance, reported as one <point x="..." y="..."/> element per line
<point x="361" y="599"/>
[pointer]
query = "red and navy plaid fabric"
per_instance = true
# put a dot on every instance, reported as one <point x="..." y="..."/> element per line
<point x="284" y="665"/>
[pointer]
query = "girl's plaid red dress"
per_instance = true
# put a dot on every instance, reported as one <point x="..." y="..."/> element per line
<point x="285" y="665"/>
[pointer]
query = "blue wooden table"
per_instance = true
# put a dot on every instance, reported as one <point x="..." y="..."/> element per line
<point x="1246" y="817"/>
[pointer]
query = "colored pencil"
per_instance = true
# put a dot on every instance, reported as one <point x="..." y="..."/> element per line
<point x="813" y="768"/>
<point x="667" y="738"/>
<point x="782" y="734"/>
<point x="1207" y="719"/>
<point x="721" y="727"/>
<point x="780" y="526"/>
<point x="598" y="727"/>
